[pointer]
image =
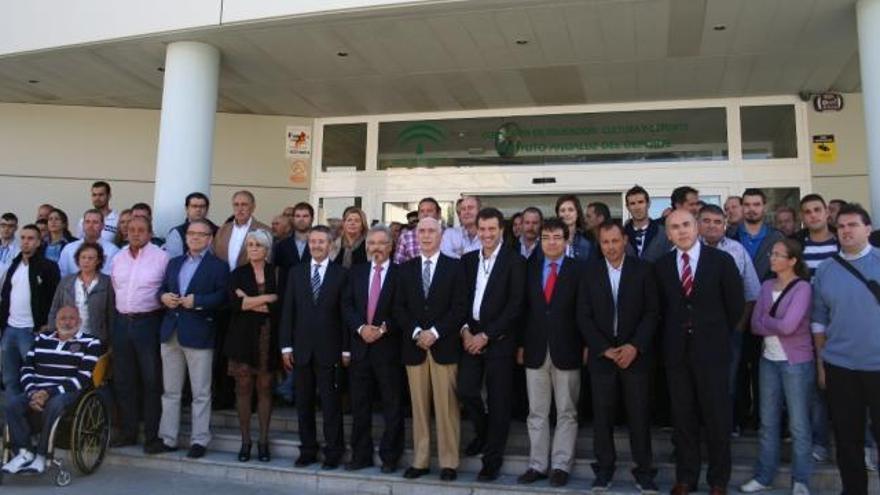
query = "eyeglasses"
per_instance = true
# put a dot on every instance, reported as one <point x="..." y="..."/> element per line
<point x="778" y="255"/>
<point x="197" y="234"/>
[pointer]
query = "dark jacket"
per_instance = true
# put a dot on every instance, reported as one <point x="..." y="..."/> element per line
<point x="536" y="252"/>
<point x="553" y="325"/>
<point x="196" y="327"/>
<point x="285" y="256"/>
<point x="636" y="310"/>
<point x="242" y="342"/>
<point x="713" y="309"/>
<point x="314" y="329"/>
<point x="44" y="276"/>
<point x="101" y="303"/>
<point x="656" y="243"/>
<point x="387" y="348"/>
<point x="358" y="255"/>
<point x="444" y="309"/>
<point x="502" y="302"/>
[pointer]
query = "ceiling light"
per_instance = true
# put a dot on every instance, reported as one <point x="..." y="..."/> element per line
<point x="719" y="27"/>
<point x="341" y="54"/>
<point x="160" y="69"/>
<point x="522" y="42"/>
<point x="33" y="81"/>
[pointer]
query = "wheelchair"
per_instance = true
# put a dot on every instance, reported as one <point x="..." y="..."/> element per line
<point x="83" y="431"/>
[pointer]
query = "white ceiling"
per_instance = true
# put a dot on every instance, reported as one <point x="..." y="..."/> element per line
<point x="451" y="56"/>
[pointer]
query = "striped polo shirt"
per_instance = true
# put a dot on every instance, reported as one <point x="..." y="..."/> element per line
<point x="817" y="252"/>
<point x="58" y="366"/>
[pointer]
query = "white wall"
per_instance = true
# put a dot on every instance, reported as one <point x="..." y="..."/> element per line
<point x="847" y="178"/>
<point x="53" y="153"/>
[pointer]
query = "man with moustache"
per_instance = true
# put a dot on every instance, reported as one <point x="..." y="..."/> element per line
<point x="315" y="342"/>
<point x="619" y="319"/>
<point x="495" y="281"/>
<point x="528" y="244"/>
<point x="375" y="353"/>
<point x="701" y="298"/>
<point x="430" y="307"/>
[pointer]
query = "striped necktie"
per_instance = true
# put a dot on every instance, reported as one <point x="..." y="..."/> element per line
<point x="316" y="283"/>
<point x="687" y="276"/>
<point x="426" y="278"/>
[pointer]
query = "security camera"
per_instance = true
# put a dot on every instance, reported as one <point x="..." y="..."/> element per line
<point x="805" y="95"/>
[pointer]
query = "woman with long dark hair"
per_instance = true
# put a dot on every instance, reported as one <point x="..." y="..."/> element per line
<point x="569" y="210"/>
<point x="59" y="235"/>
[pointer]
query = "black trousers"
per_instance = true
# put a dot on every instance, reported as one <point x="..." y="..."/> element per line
<point x="307" y="376"/>
<point x="491" y="427"/>
<point x="635" y="387"/>
<point x="851" y="396"/>
<point x="137" y="374"/>
<point x="697" y="390"/>
<point x="362" y="375"/>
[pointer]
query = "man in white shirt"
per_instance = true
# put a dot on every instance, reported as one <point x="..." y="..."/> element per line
<point x="92" y="227"/>
<point x="101" y="202"/>
<point x="458" y="241"/>
<point x="229" y="241"/>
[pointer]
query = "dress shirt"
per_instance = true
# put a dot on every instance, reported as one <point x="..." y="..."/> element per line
<point x="456" y="242"/>
<point x="187" y="270"/>
<point x="526" y="252"/>
<point x="382" y="274"/>
<point x="67" y="265"/>
<point x="433" y="269"/>
<point x="136" y="281"/>
<point x="81" y="293"/>
<point x="407" y="247"/>
<point x="300" y="244"/>
<point x="20" y="315"/>
<point x="9" y="251"/>
<point x="483" y="271"/>
<point x="322" y="270"/>
<point x="236" y="242"/>
<point x="174" y="245"/>
<point x="111" y="220"/>
<point x="614" y="279"/>
<point x="694" y="253"/>
<point x="751" y="284"/>
<point x="546" y="272"/>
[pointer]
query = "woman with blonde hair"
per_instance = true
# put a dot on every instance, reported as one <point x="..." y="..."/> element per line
<point x="351" y="248"/>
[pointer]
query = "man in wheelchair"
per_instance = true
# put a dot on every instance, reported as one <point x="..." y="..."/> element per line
<point x="57" y="368"/>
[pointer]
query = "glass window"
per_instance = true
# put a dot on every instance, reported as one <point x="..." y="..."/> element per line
<point x="344" y="147"/>
<point x="768" y="132"/>
<point x="659" y="204"/>
<point x="396" y="211"/>
<point x="586" y="138"/>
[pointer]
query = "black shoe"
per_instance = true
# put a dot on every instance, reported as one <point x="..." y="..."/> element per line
<point x="487" y="474"/>
<point x="530" y="476"/>
<point x="196" y="451"/>
<point x="244" y="454"/>
<point x="157" y="446"/>
<point x="475" y="447"/>
<point x="412" y="473"/>
<point x="558" y="478"/>
<point x="601" y="484"/>
<point x="647" y="487"/>
<point x="389" y="467"/>
<point x="305" y="460"/>
<point x="263" y="452"/>
<point x="358" y="465"/>
<point x="122" y="441"/>
<point x="448" y="474"/>
<point x="329" y="465"/>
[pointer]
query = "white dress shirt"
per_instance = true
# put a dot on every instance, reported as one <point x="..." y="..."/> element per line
<point x="614" y="279"/>
<point x="457" y="242"/>
<point x="484" y="269"/>
<point x="433" y="269"/>
<point x="322" y="270"/>
<point x="236" y="242"/>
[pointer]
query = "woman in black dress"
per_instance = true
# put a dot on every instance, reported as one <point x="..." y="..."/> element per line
<point x="252" y="340"/>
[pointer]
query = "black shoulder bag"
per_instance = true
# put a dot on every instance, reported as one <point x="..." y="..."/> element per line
<point x="785" y="291"/>
<point x="872" y="285"/>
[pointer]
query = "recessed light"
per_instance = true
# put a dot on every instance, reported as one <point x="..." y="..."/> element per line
<point x="522" y="42"/>
<point x="160" y="69"/>
<point x="341" y="54"/>
<point x="34" y="81"/>
<point x="719" y="27"/>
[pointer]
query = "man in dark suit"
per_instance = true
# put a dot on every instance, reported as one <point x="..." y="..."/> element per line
<point x="375" y="353"/>
<point x="314" y="340"/>
<point x="495" y="281"/>
<point x="294" y="249"/>
<point x="552" y="349"/>
<point x="619" y="319"/>
<point x="702" y="300"/>
<point x="194" y="288"/>
<point x="430" y="308"/>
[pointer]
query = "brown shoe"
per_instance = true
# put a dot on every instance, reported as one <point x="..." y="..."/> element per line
<point x="718" y="490"/>
<point x="680" y="489"/>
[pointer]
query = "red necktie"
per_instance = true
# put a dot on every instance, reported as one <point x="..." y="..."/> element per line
<point x="687" y="276"/>
<point x="550" y="284"/>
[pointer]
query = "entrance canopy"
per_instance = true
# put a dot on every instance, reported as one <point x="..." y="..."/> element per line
<point x="468" y="55"/>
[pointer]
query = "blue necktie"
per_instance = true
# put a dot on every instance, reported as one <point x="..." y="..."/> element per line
<point x="426" y="278"/>
<point x="316" y="283"/>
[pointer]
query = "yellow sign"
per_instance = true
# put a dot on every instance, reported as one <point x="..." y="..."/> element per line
<point x="824" y="149"/>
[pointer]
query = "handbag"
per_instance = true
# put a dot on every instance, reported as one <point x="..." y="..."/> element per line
<point x="872" y="285"/>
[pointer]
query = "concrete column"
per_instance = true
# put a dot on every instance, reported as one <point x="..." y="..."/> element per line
<point x="868" y="17"/>
<point x="186" y="130"/>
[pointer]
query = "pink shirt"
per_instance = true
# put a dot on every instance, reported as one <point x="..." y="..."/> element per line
<point x="137" y="280"/>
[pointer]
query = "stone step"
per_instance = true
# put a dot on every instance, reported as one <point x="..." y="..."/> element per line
<point x="227" y="441"/>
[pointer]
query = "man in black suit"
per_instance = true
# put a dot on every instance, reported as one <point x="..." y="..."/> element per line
<point x="702" y="300"/>
<point x="495" y="278"/>
<point x="314" y="340"/>
<point x="294" y="249"/>
<point x="375" y="353"/>
<point x="552" y="349"/>
<point x="529" y="243"/>
<point x="430" y="308"/>
<point x="619" y="319"/>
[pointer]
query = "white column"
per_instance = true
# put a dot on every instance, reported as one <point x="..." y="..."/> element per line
<point x="868" y="17"/>
<point x="186" y="130"/>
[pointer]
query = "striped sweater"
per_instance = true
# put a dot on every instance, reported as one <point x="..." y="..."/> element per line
<point x="58" y="366"/>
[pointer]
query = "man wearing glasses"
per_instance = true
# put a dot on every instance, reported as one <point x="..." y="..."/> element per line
<point x="196" y="205"/>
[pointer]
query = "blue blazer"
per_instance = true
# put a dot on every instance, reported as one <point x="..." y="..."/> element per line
<point x="196" y="327"/>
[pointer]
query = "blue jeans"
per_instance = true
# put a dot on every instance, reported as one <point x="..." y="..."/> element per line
<point x="17" y="411"/>
<point x="793" y="383"/>
<point x="16" y="344"/>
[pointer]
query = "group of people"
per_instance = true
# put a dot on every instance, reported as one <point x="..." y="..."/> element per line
<point x="739" y="318"/>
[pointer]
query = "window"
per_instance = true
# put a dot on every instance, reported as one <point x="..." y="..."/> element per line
<point x="344" y="147"/>
<point x="768" y="132"/>
<point x="612" y="137"/>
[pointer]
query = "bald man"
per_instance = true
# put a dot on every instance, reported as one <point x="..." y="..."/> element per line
<point x="701" y="300"/>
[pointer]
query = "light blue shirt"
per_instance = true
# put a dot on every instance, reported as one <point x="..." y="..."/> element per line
<point x="547" y="269"/>
<point x="67" y="265"/>
<point x="456" y="242"/>
<point x="188" y="270"/>
<point x="751" y="284"/>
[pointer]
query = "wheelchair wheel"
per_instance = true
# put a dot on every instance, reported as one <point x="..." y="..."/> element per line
<point x="62" y="477"/>
<point x="90" y="434"/>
